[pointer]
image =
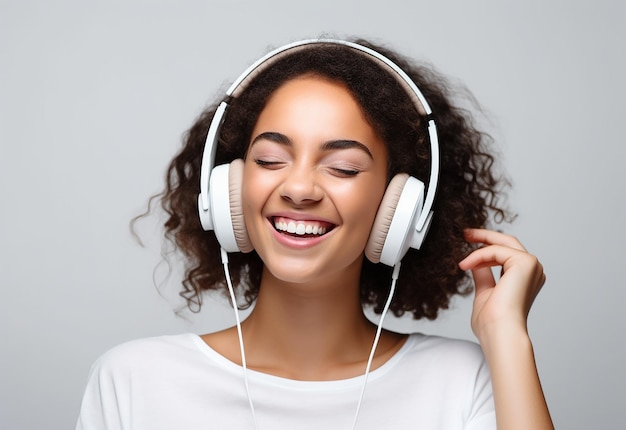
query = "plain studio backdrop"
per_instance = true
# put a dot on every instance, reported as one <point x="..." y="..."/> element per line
<point x="94" y="99"/>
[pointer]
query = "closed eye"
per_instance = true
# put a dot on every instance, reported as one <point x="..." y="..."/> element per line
<point x="345" y="172"/>
<point x="268" y="164"/>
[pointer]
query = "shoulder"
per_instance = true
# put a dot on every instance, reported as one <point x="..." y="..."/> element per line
<point x="452" y="356"/>
<point x="162" y="375"/>
<point x="439" y="367"/>
<point x="146" y="354"/>
<point x="171" y="344"/>
<point x="440" y="345"/>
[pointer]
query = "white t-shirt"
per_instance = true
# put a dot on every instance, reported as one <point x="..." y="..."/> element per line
<point x="180" y="383"/>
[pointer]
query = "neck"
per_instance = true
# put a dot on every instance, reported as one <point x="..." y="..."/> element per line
<point x="305" y="331"/>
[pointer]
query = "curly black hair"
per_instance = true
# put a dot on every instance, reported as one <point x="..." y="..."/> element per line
<point x="469" y="193"/>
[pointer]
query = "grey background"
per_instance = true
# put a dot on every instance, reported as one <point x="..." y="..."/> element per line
<point x="94" y="97"/>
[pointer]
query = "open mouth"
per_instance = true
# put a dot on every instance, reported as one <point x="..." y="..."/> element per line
<point x="301" y="228"/>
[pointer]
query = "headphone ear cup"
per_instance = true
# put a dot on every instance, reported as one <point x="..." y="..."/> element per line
<point x="384" y="217"/>
<point x="235" y="180"/>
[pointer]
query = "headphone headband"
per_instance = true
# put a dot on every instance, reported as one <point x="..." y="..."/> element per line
<point x="263" y="63"/>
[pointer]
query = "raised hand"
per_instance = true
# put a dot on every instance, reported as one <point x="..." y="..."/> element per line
<point x="508" y="300"/>
<point x="499" y="322"/>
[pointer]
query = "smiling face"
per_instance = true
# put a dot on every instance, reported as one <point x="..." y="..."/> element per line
<point x="314" y="175"/>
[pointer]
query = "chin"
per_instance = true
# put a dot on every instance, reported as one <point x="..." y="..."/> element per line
<point x="307" y="270"/>
<point x="295" y="273"/>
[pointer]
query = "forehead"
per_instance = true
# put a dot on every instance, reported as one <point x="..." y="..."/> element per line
<point x="317" y="103"/>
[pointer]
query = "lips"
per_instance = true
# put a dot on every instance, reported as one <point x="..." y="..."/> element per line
<point x="301" y="228"/>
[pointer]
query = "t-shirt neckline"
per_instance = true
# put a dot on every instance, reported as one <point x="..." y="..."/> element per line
<point x="265" y="378"/>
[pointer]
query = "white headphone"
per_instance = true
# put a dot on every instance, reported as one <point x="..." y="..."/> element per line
<point x="404" y="215"/>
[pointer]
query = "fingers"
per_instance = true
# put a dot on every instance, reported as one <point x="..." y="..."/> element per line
<point x="519" y="268"/>
<point x="490" y="237"/>
<point x="498" y="255"/>
<point x="483" y="279"/>
<point x="500" y="250"/>
<point x="511" y="297"/>
<point x="495" y="255"/>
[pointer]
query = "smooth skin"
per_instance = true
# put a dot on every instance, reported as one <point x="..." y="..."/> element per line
<point x="313" y="158"/>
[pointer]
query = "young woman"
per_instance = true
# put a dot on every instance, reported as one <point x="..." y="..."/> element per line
<point x="346" y="178"/>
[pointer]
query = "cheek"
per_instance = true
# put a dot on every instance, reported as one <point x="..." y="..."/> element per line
<point x="362" y="203"/>
<point x="256" y="190"/>
<point x="373" y="199"/>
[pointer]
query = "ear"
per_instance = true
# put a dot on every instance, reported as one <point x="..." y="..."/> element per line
<point x="394" y="230"/>
<point x="235" y="180"/>
<point x="384" y="216"/>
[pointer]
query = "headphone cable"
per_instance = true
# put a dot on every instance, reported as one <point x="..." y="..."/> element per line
<point x="394" y="278"/>
<point x="379" y="328"/>
<point x="239" y="334"/>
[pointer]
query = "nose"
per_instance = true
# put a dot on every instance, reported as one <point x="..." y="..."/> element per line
<point x="300" y="186"/>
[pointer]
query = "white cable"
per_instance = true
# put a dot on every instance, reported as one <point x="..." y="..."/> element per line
<point x="392" y="289"/>
<point x="239" y="334"/>
<point x="394" y="278"/>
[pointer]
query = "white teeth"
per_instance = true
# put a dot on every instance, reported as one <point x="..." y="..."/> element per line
<point x="299" y="228"/>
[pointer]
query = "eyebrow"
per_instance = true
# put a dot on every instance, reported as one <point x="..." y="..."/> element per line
<point x="326" y="146"/>
<point x="273" y="137"/>
<point x="346" y="144"/>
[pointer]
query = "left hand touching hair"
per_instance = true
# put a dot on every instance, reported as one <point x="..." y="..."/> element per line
<point x="510" y="298"/>
<point x="499" y="322"/>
